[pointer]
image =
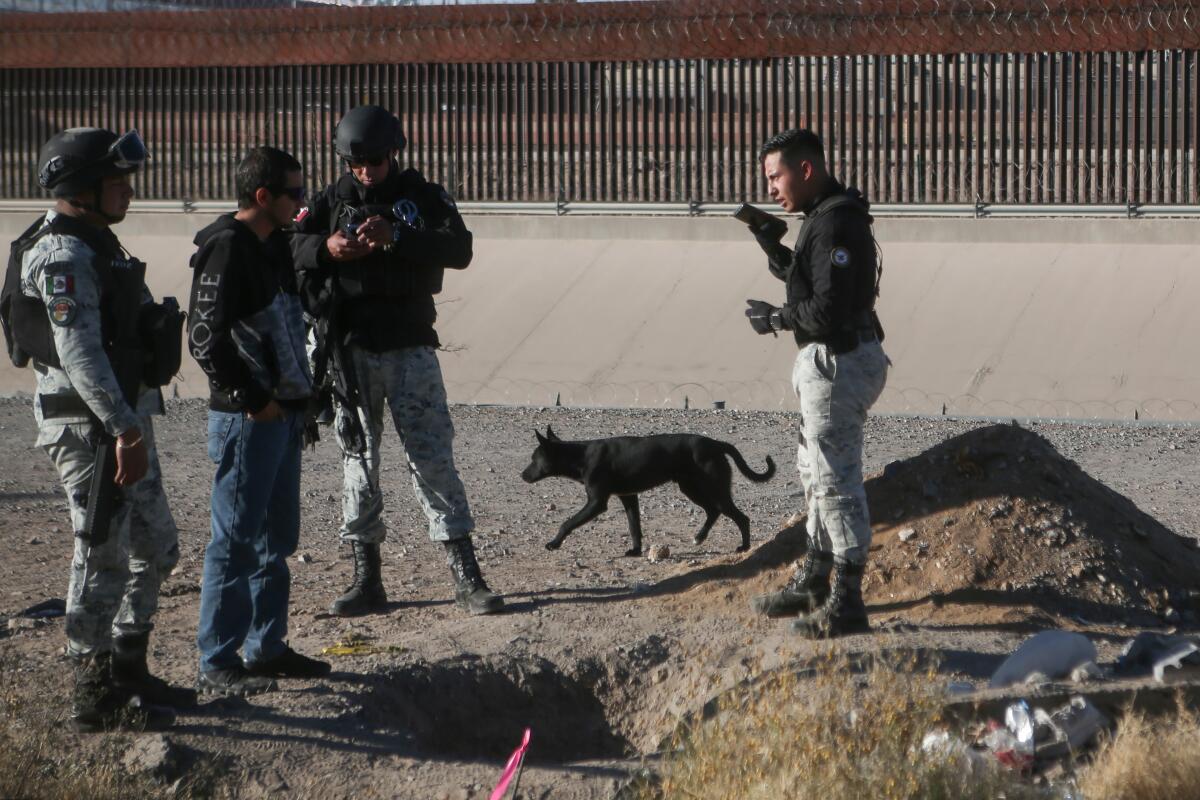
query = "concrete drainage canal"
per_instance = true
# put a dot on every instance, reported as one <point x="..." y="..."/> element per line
<point x="478" y="706"/>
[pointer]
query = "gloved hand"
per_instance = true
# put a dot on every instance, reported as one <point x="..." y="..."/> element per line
<point x="766" y="236"/>
<point x="764" y="317"/>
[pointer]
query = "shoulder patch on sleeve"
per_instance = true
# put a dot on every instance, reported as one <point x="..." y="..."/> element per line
<point x="62" y="311"/>
<point x="60" y="284"/>
<point x="59" y="268"/>
<point x="840" y="257"/>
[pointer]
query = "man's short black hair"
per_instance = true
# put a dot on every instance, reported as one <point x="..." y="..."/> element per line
<point x="795" y="145"/>
<point x="263" y="168"/>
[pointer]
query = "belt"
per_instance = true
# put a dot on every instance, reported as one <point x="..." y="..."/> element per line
<point x="63" y="405"/>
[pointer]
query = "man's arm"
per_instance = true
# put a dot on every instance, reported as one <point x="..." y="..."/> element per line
<point x="71" y="293"/>
<point x="218" y="286"/>
<point x="779" y="256"/>
<point x="310" y="232"/>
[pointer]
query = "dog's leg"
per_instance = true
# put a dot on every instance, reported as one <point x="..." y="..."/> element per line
<point x="743" y="523"/>
<point x="594" y="507"/>
<point x="701" y="498"/>
<point x="633" y="514"/>
<point x="709" y="520"/>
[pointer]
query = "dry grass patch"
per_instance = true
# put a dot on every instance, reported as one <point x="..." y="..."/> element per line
<point x="40" y="757"/>
<point x="1148" y="759"/>
<point x="845" y="732"/>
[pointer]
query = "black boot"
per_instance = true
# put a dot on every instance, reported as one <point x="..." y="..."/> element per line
<point x="805" y="591"/>
<point x="100" y="705"/>
<point x="843" y="612"/>
<point x="130" y="673"/>
<point x="470" y="592"/>
<point x="366" y="594"/>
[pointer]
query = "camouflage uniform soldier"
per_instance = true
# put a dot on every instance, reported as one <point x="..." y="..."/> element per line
<point x="68" y="315"/>
<point x="832" y="282"/>
<point x="370" y="251"/>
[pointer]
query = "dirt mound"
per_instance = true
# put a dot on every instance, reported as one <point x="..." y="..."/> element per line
<point x="997" y="517"/>
<point x="991" y="526"/>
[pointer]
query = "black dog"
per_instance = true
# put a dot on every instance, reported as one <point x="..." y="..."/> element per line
<point x="626" y="465"/>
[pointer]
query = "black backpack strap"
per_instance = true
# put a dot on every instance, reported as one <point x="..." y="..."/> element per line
<point x="825" y="206"/>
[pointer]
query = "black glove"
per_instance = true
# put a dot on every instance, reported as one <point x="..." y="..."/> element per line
<point x="764" y="317"/>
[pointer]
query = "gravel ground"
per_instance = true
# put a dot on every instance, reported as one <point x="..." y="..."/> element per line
<point x="599" y="654"/>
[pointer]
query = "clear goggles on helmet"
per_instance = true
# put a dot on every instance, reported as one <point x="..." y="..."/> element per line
<point x="128" y="151"/>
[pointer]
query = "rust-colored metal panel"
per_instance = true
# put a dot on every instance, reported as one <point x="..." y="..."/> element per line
<point x="591" y="31"/>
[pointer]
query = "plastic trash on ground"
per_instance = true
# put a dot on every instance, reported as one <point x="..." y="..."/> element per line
<point x="1069" y="729"/>
<point x="1002" y="744"/>
<point x="956" y="752"/>
<point x="1049" y="655"/>
<point x="1020" y="723"/>
<point x="1175" y="657"/>
<point x="358" y="645"/>
<point x="1152" y="653"/>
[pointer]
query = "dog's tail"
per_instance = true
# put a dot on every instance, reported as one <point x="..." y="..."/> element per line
<point x="744" y="468"/>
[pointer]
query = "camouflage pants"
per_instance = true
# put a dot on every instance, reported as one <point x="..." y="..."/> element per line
<point x="835" y="392"/>
<point x="114" y="586"/>
<point x="409" y="383"/>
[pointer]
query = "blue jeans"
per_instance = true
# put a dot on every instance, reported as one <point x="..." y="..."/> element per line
<point x="255" y="527"/>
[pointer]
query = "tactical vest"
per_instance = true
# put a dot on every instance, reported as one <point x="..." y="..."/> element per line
<point x="380" y="275"/>
<point x="26" y="321"/>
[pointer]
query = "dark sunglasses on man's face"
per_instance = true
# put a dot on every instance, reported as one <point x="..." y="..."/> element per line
<point x="374" y="161"/>
<point x="295" y="192"/>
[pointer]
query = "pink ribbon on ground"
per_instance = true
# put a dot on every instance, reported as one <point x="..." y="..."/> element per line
<point x="511" y="768"/>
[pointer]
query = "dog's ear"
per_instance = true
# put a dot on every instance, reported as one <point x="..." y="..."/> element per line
<point x="551" y="435"/>
<point x="541" y="439"/>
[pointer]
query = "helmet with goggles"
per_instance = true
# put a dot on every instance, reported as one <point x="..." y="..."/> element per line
<point x="368" y="132"/>
<point x="75" y="160"/>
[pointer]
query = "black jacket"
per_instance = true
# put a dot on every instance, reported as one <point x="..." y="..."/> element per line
<point x="245" y="324"/>
<point x="832" y="275"/>
<point x="385" y="300"/>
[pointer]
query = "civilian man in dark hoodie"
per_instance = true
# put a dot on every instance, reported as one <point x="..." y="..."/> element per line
<point x="246" y="331"/>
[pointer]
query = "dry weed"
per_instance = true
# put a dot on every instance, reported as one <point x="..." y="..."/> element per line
<point x="1148" y="759"/>
<point x="41" y="758"/>
<point x="843" y="732"/>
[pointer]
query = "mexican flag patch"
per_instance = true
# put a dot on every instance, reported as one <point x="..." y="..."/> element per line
<point x="60" y="284"/>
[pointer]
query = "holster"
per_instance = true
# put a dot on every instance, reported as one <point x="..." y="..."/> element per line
<point x="862" y="328"/>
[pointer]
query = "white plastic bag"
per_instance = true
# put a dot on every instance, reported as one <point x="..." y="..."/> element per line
<point x="1049" y="654"/>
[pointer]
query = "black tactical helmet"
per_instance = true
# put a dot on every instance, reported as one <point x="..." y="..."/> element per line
<point x="74" y="160"/>
<point x="368" y="132"/>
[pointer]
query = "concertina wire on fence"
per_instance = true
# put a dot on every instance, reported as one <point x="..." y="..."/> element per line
<point x="1003" y="101"/>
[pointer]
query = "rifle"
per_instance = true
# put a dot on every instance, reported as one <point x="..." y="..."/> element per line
<point x="333" y="375"/>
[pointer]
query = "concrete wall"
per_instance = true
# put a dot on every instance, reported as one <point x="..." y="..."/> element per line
<point x="1071" y="318"/>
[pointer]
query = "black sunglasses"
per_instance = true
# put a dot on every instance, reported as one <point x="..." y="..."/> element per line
<point x="373" y="161"/>
<point x="297" y="193"/>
